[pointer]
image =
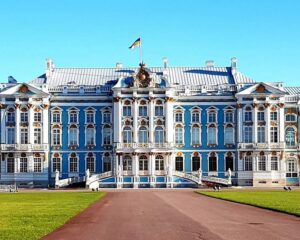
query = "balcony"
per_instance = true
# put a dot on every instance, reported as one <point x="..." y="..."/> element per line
<point x="256" y="146"/>
<point x="24" y="147"/>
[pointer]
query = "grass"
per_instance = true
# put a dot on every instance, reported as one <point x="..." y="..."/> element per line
<point x="287" y="202"/>
<point x="33" y="215"/>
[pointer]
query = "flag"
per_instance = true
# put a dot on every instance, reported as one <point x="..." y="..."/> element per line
<point x="137" y="43"/>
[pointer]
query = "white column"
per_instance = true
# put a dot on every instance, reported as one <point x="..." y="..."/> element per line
<point x="152" y="170"/>
<point x="169" y="120"/>
<point x="135" y="168"/>
<point x="151" y="120"/>
<point x="281" y="125"/>
<point x="17" y="127"/>
<point x="240" y="124"/>
<point x="267" y="118"/>
<point x="135" y="121"/>
<point x="3" y="127"/>
<point x="30" y="163"/>
<point x="30" y="126"/>
<point x="255" y="124"/>
<point x="117" y="120"/>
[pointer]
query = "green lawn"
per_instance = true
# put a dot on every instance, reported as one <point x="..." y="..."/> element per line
<point x="33" y="215"/>
<point x="288" y="202"/>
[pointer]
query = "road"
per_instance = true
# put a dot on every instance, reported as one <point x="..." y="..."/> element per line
<point x="174" y="215"/>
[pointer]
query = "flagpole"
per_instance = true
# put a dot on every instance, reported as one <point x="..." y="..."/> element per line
<point x="141" y="51"/>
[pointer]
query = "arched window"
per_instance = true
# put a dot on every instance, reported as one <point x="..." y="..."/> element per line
<point x="229" y="134"/>
<point x="179" y="134"/>
<point x="127" y="163"/>
<point x="212" y="162"/>
<point x="56" y="162"/>
<point x="291" y="168"/>
<point x="143" y="135"/>
<point x="159" y="163"/>
<point x="127" y="135"/>
<point x="56" y="136"/>
<point x="196" y="135"/>
<point x="73" y="135"/>
<point x="106" y="162"/>
<point x="73" y="162"/>
<point x="159" y="135"/>
<point x="196" y="165"/>
<point x="143" y="163"/>
<point x="229" y="161"/>
<point x="90" y="135"/>
<point x="290" y="136"/>
<point x="107" y="134"/>
<point x="212" y="134"/>
<point x="90" y="162"/>
<point x="179" y="163"/>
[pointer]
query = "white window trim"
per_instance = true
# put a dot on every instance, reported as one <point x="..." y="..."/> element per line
<point x="217" y="133"/>
<point x="182" y="111"/>
<point x="200" y="134"/>
<point x="183" y="134"/>
<point x="85" y="136"/>
<point x="111" y="134"/>
<point x="52" y="156"/>
<point x="233" y="135"/>
<point x="183" y="162"/>
<point x="191" y="159"/>
<point x="111" y="160"/>
<point x="69" y="163"/>
<point x="60" y="137"/>
<point x="212" y="109"/>
<point x="231" y="110"/>
<point x="86" y="157"/>
<point x="233" y="158"/>
<point x="217" y="159"/>
<point x="77" y="136"/>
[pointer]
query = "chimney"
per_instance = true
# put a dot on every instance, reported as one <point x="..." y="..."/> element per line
<point x="49" y="67"/>
<point x="233" y="65"/>
<point x="209" y="63"/>
<point x="119" y="65"/>
<point x="165" y="62"/>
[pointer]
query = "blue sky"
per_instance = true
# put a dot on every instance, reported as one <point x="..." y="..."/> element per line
<point x="263" y="35"/>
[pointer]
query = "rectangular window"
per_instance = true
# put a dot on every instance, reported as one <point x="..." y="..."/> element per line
<point x="90" y="117"/>
<point x="10" y="117"/>
<point x="37" y="164"/>
<point x="37" y="117"/>
<point x="261" y="135"/>
<point x="10" y="135"/>
<point x="37" y="136"/>
<point x="248" y="134"/>
<point x="248" y="163"/>
<point x="179" y="163"/>
<point x="56" y="117"/>
<point x="178" y="117"/>
<point x="73" y="136"/>
<point x="261" y="163"/>
<point x="10" y="165"/>
<point x="229" y="117"/>
<point x="212" y="164"/>
<point x="212" y="117"/>
<point x="24" y="136"/>
<point x="274" y="134"/>
<point x="73" y="164"/>
<point x="273" y="116"/>
<point x="23" y="164"/>
<point x="196" y="117"/>
<point x="127" y="111"/>
<point x="212" y="136"/>
<point x="248" y="116"/>
<point x="90" y="164"/>
<point x="274" y="164"/>
<point x="56" y="136"/>
<point x="143" y="111"/>
<point x="24" y="117"/>
<point x="195" y="164"/>
<point x="73" y="117"/>
<point x="106" y="136"/>
<point x="90" y="136"/>
<point x="260" y="116"/>
<point x="159" y="111"/>
<point x="106" y="117"/>
<point x="196" y="136"/>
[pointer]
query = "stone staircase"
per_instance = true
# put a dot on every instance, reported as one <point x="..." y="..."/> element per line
<point x="92" y="182"/>
<point x="68" y="181"/>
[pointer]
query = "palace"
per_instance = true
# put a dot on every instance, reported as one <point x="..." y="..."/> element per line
<point x="149" y="127"/>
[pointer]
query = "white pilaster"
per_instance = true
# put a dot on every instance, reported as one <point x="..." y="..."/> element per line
<point x="169" y="120"/>
<point x="254" y="120"/>
<point x="267" y="119"/>
<point x="17" y="127"/>
<point x="135" y="121"/>
<point x="151" y="121"/>
<point x="30" y="126"/>
<point x="117" y="120"/>
<point x="152" y="170"/>
<point x="45" y="122"/>
<point x="281" y="125"/>
<point x="135" y="168"/>
<point x="240" y="124"/>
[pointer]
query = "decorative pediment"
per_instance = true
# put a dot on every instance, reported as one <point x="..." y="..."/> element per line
<point x="261" y="89"/>
<point x="24" y="90"/>
<point x="143" y="77"/>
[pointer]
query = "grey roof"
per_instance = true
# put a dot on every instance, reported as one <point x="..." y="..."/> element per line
<point x="175" y="75"/>
<point x="292" y="90"/>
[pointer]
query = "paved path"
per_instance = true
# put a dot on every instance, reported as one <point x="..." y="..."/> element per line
<point x="175" y="214"/>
